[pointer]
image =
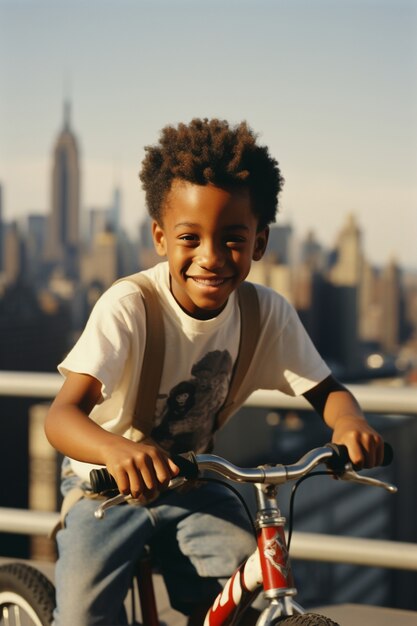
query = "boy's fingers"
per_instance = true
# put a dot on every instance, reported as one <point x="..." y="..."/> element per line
<point x="123" y="482"/>
<point x="173" y="467"/>
<point x="149" y="474"/>
<point x="132" y="480"/>
<point x="146" y="473"/>
<point x="156" y="472"/>
<point x="162" y="469"/>
<point x="366" y="453"/>
<point x="369" y="458"/>
<point x="374" y="450"/>
<point x="165" y="468"/>
<point x="356" y="455"/>
<point x="136" y="485"/>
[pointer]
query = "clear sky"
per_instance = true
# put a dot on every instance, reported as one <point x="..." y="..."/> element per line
<point x="329" y="85"/>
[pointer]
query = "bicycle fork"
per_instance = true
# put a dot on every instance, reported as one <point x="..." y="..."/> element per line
<point x="269" y="566"/>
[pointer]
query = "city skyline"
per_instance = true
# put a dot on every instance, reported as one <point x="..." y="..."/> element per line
<point x="332" y="90"/>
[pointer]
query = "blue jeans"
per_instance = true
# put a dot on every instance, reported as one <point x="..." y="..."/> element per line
<point x="198" y="539"/>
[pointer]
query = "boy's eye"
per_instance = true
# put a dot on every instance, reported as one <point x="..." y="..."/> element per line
<point x="188" y="237"/>
<point x="232" y="240"/>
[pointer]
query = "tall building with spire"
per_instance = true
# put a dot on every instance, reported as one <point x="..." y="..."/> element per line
<point x="347" y="270"/>
<point x="340" y="340"/>
<point x="64" y="218"/>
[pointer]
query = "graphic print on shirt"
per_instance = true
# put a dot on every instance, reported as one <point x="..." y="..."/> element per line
<point x="187" y="419"/>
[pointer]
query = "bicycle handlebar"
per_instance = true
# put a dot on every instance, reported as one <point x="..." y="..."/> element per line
<point x="191" y="466"/>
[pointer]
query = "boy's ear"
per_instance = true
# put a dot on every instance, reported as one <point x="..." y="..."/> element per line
<point x="261" y="242"/>
<point x="159" y="240"/>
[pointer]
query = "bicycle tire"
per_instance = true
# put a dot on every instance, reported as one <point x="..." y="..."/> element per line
<point x="27" y="597"/>
<point x="308" y="619"/>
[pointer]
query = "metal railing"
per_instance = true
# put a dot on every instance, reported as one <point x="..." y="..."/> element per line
<point x="372" y="398"/>
<point x="305" y="546"/>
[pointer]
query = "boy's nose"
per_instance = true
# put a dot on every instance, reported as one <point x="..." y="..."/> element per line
<point x="210" y="256"/>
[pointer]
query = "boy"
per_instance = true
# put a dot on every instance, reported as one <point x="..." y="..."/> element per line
<point x="211" y="191"/>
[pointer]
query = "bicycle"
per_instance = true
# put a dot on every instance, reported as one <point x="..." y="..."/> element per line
<point x="268" y="569"/>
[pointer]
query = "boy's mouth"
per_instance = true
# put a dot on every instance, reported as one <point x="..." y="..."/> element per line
<point x="209" y="282"/>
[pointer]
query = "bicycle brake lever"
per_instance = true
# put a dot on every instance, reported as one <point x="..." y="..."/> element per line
<point x="120" y="498"/>
<point x="101" y="509"/>
<point x="350" y="475"/>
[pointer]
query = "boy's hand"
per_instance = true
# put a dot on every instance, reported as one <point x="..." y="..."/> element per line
<point x="140" y="469"/>
<point x="342" y="413"/>
<point x="364" y="444"/>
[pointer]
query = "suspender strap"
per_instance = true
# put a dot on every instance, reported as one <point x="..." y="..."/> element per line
<point x="249" y="335"/>
<point x="153" y="357"/>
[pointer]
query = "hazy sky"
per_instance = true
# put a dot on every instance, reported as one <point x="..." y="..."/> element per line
<point x="329" y="85"/>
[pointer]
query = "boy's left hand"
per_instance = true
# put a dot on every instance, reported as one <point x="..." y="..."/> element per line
<point x="364" y="444"/>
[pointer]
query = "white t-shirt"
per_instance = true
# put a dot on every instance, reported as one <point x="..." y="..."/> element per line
<point x="199" y="358"/>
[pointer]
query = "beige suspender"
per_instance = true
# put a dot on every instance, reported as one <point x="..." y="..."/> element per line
<point x="250" y="324"/>
<point x="153" y="358"/>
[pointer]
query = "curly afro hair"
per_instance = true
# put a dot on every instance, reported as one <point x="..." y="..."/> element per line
<point x="211" y="151"/>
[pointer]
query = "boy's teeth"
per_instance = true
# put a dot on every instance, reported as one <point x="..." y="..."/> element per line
<point x="209" y="281"/>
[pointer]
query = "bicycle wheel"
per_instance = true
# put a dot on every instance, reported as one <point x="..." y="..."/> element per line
<point x="308" y="619"/>
<point x="27" y="597"/>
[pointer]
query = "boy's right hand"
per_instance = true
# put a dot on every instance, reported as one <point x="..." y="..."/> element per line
<point x="140" y="469"/>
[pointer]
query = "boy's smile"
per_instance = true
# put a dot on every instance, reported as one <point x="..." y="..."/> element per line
<point x="209" y="235"/>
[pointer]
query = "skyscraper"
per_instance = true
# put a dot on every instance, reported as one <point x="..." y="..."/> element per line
<point x="280" y="243"/>
<point x="347" y="270"/>
<point x="14" y="254"/>
<point x="64" y="219"/>
<point x="390" y="304"/>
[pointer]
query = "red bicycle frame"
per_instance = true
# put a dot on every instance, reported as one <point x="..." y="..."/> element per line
<point x="268" y="567"/>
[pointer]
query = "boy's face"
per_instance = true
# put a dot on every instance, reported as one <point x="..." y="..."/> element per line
<point x="210" y="237"/>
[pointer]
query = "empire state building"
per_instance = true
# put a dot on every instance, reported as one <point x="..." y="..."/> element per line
<point x="64" y="219"/>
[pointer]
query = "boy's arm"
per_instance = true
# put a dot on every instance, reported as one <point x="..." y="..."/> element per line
<point x="342" y="413"/>
<point x="139" y="468"/>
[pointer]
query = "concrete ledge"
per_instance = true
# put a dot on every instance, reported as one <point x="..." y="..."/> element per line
<point x="360" y="615"/>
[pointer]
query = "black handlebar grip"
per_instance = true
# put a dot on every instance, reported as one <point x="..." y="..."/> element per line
<point x="388" y="454"/>
<point x="341" y="456"/>
<point x="101" y="480"/>
<point x="187" y="464"/>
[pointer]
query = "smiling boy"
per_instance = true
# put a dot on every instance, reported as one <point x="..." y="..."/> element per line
<point x="211" y="192"/>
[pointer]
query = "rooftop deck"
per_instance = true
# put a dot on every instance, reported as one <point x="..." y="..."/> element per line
<point x="306" y="546"/>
